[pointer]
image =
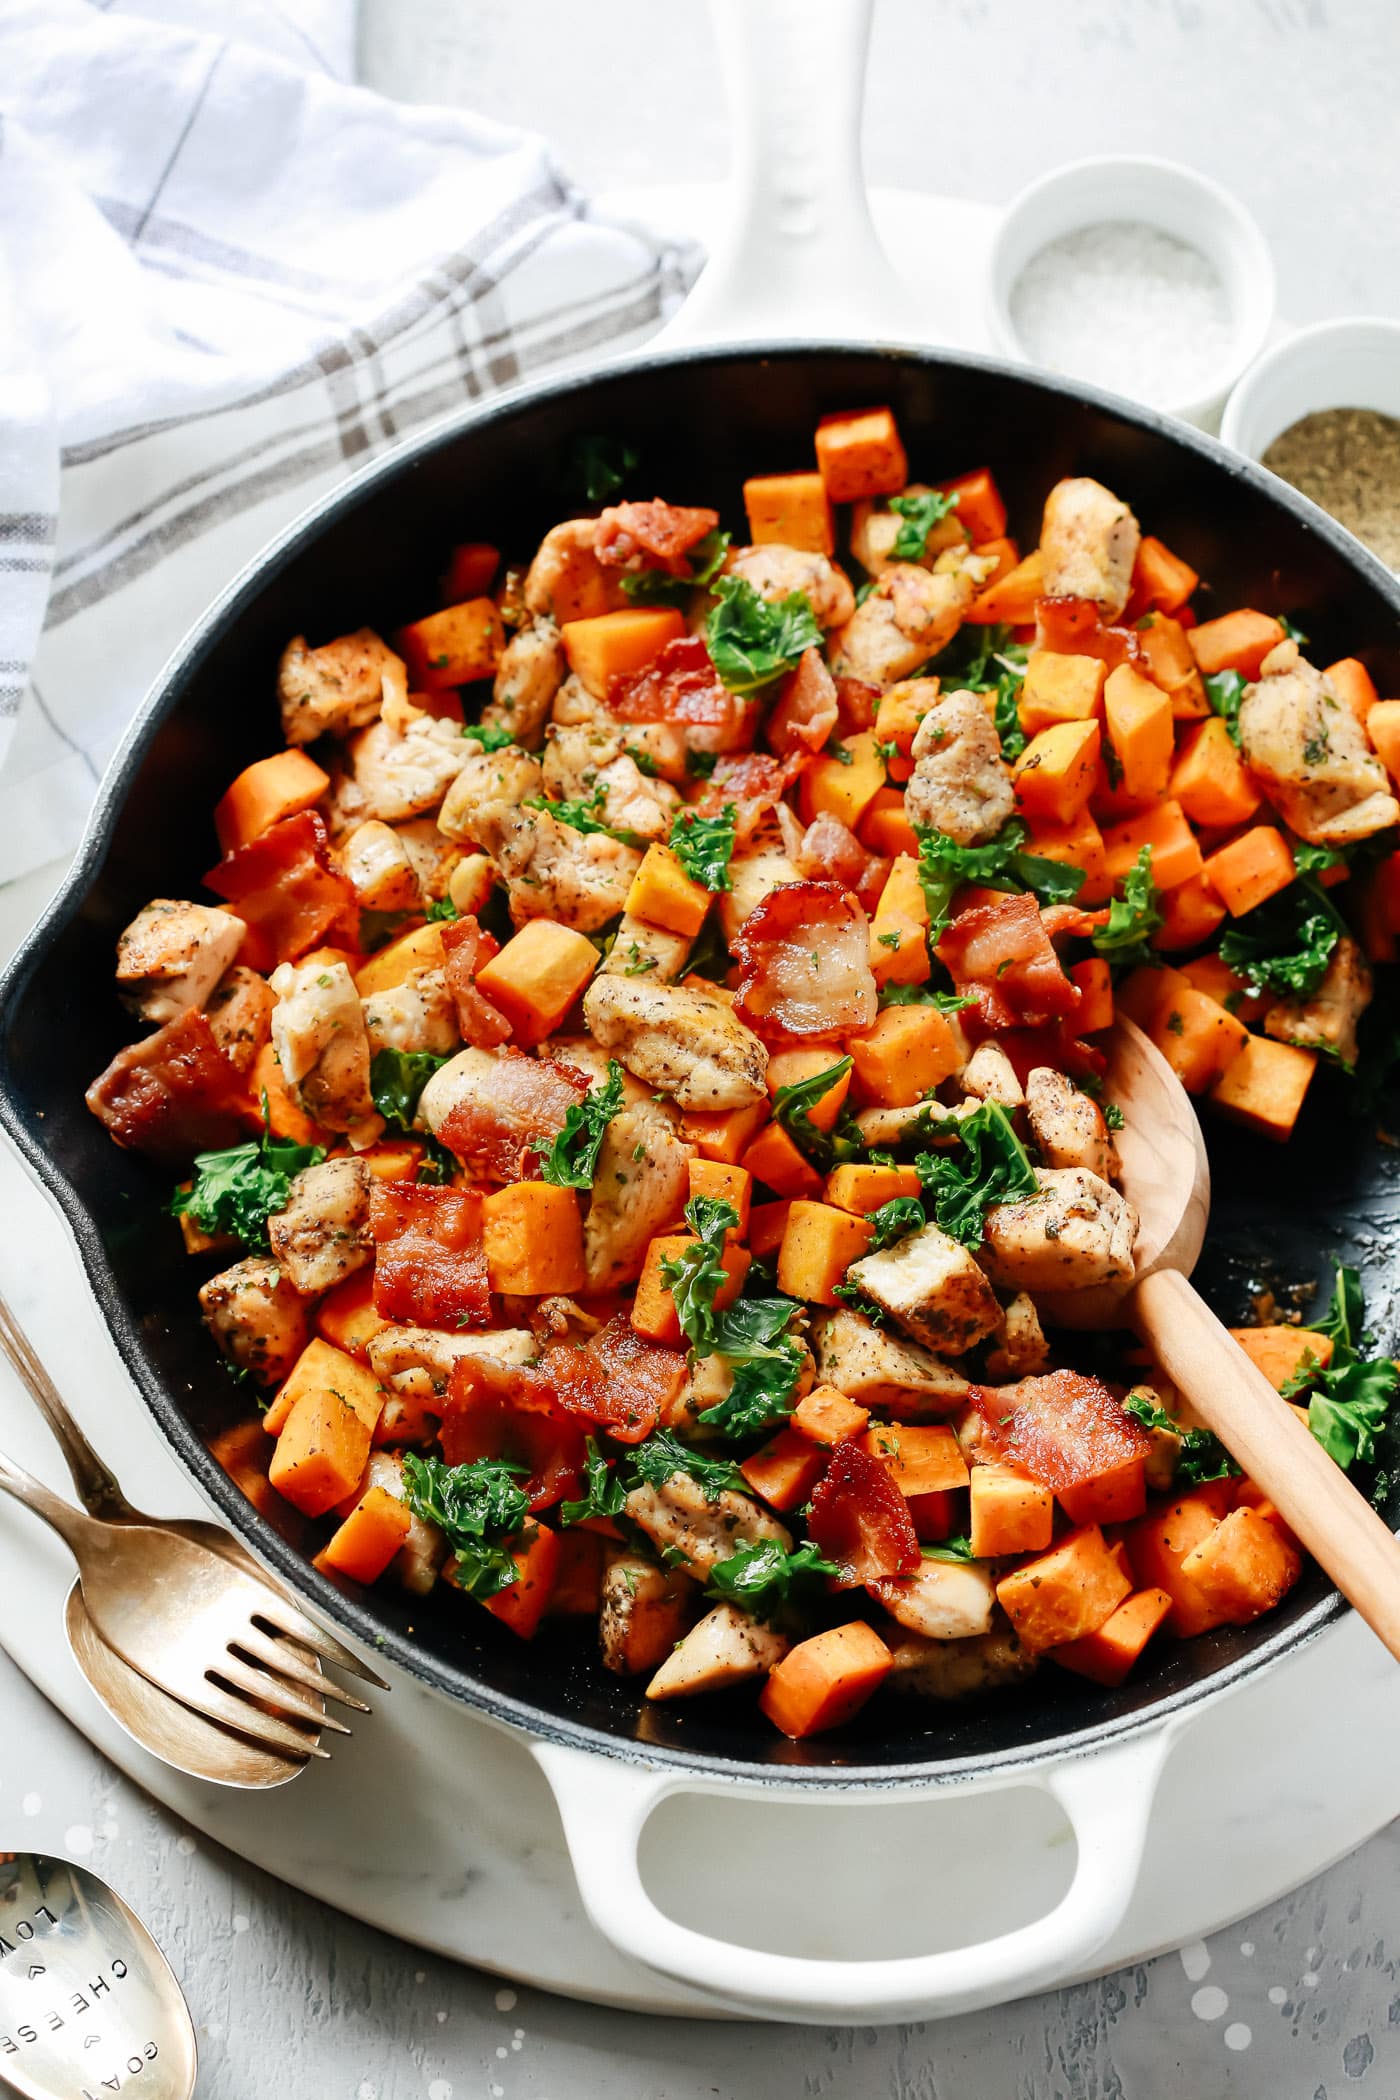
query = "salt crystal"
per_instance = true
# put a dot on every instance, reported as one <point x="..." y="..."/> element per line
<point x="1122" y="304"/>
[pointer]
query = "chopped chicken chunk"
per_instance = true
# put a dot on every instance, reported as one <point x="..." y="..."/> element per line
<point x="754" y="876"/>
<point x="1311" y="755"/>
<point x="322" y="1234"/>
<point x="489" y="785"/>
<point x="641" y="950"/>
<point x="776" y="572"/>
<point x="875" y="528"/>
<point x="925" y="1669"/>
<point x="528" y="676"/>
<point x="339" y="687"/>
<point x="679" y="1516"/>
<point x="961" y="784"/>
<point x="989" y="1075"/>
<point x="1022" y="1349"/>
<point x="566" y="580"/>
<point x="418" y="1014"/>
<point x="318" y="1032"/>
<point x="420" y="1359"/>
<point x="640" y="1185"/>
<point x="594" y="765"/>
<point x="1327" y="1021"/>
<point x="551" y="871"/>
<point x="910" y="615"/>
<point x="1077" y="1231"/>
<point x="257" y="1318"/>
<point x="1088" y="544"/>
<point x="1067" y="1126"/>
<point x="173" y="954"/>
<point x="882" y="1371"/>
<point x="401" y="772"/>
<point x="727" y="1647"/>
<point x="419" y="1558"/>
<point x="239" y="1011"/>
<point x="686" y="1041"/>
<point x="931" y="1285"/>
<point x="944" y="1600"/>
<point x="645" y="1610"/>
<point x="378" y="868"/>
<point x="432" y="856"/>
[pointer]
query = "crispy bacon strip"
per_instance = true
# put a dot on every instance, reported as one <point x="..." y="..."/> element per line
<point x="856" y="703"/>
<point x="651" y="535"/>
<point x="804" y="960"/>
<point x="287" y="892"/>
<point x="807" y="710"/>
<point x="530" y="1097"/>
<point x="511" y="1411"/>
<point x="1061" y="1429"/>
<point x="1062" y="919"/>
<point x="680" y="684"/>
<point x="754" y="784"/>
<point x="174" y="1093"/>
<point x="467" y="946"/>
<point x="430" y="1264"/>
<point x="1000" y="954"/>
<point x="617" y="1379"/>
<point x="860" y="1520"/>
<point x="1057" y="1046"/>
<point x="1076" y="627"/>
<point x="830" y="848"/>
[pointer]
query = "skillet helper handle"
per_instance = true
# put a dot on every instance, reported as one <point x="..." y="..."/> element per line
<point x="1312" y="1494"/>
<point x="800" y="255"/>
<point x="1107" y="1796"/>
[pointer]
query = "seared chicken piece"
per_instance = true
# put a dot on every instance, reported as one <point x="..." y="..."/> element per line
<point x="591" y="1060"/>
<point x="318" y="1032"/>
<point x="173" y="954"/>
<point x="528" y="676"/>
<point x="339" y="687"/>
<point x="1067" y="1126"/>
<point x="875" y="528"/>
<point x="727" y="1647"/>
<point x="931" y="1285"/>
<point x="551" y="871"/>
<point x="419" y="1558"/>
<point x="257" y="1318"/>
<point x="418" y="1014"/>
<point x="882" y="1371"/>
<point x="679" y="1517"/>
<point x="470" y="884"/>
<point x="566" y="580"/>
<point x="961" y="784"/>
<point x="322" y="1234"/>
<point x="989" y="1075"/>
<point x="753" y="876"/>
<point x="1312" y="756"/>
<point x="419" y="1360"/>
<point x="377" y="866"/>
<point x="647" y="951"/>
<point x="910" y="615"/>
<point x="1088" y="544"/>
<point x="239" y="1010"/>
<point x="431" y="856"/>
<point x="776" y="572"/>
<point x="1022" y="1349"/>
<point x="685" y="1041"/>
<point x="1327" y="1021"/>
<point x="926" y="1669"/>
<point x="488" y="786"/>
<point x="944" y="1600"/>
<point x="1077" y="1231"/>
<point x="645" y="1611"/>
<point x="591" y="763"/>
<point x="402" y="773"/>
<point x="928" y="1120"/>
<point x="640" y="1184"/>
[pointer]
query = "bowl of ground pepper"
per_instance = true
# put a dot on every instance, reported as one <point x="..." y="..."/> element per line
<point x="1322" y="411"/>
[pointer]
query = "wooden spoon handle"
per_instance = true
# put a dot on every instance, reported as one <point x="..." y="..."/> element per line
<point x="1311" y="1492"/>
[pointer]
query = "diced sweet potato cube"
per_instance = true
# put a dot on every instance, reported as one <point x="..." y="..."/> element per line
<point x="1011" y="1513"/>
<point x="523" y="1605"/>
<point x="1173" y="846"/>
<point x="859" y="454"/>
<point x="1159" y="1542"/>
<point x="1251" y="869"/>
<point x="1095" y="981"/>
<point x="825" y="1680"/>
<point x="1279" y="1351"/>
<point x="864" y="1189"/>
<point x="1065" y="1593"/>
<point x="1210" y="780"/>
<point x="419" y="949"/>
<point x="775" y="1160"/>
<point x="885" y="828"/>
<point x="453" y="647"/>
<point x="785" y="1471"/>
<point x="1191" y="913"/>
<point x="533" y="1236"/>
<point x="723" y="1133"/>
<point x="828" y="1417"/>
<point x="767" y="1224"/>
<point x="369" y="1537"/>
<point x="1244" y="1567"/>
<point x="537" y="976"/>
<point x="265" y="792"/>
<point x="616" y="644"/>
<point x="843" y="788"/>
<point x="1162" y="581"/>
<point x="1078" y="844"/>
<point x="1114" y="1497"/>
<point x="724" y="1184"/>
<point x="664" y="895"/>
<point x="1060" y="689"/>
<point x="789" y="510"/>
<point x="899" y="931"/>
<point x="1237" y="641"/>
<point x="1139" y="718"/>
<point x="792" y="1067"/>
<point x="1107" y="1655"/>
<point x="1264" y="1085"/>
<point x="654" y="1308"/>
<point x="1055" y="774"/>
<point x="908" y="1052"/>
<point x="924" y="1458"/>
<point x="324" y="1440"/>
<point x="346" y="1317"/>
<point x="819" y="1245"/>
<point x="1012" y="598"/>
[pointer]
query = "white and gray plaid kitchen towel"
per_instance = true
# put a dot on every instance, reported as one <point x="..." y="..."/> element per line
<point x="227" y="279"/>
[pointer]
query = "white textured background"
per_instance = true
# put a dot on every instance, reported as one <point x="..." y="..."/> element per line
<point x="1291" y="102"/>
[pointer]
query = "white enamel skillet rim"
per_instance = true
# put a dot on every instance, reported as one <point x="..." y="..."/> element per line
<point x="801" y="214"/>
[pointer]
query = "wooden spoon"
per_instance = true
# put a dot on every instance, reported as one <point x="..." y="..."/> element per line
<point x="1167" y="1178"/>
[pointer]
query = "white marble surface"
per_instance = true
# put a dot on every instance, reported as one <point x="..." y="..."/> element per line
<point x="1291" y="102"/>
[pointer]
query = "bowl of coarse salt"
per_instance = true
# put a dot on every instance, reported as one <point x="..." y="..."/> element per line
<point x="1137" y="275"/>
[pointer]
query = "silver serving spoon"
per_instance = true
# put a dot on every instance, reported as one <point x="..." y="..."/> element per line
<point x="88" y="2003"/>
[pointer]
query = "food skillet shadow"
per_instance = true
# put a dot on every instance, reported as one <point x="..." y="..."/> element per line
<point x="373" y="555"/>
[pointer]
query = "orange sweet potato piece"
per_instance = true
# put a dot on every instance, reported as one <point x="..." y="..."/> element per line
<point x="723" y="1133"/>
<point x="863" y="1189"/>
<point x="786" y="1469"/>
<point x="523" y="1605"/>
<point x="654" y="1308"/>
<point x="819" y="1244"/>
<point x="1012" y="598"/>
<point x="453" y="647"/>
<point x="537" y="976"/>
<point x="1066" y="1593"/>
<point x="908" y="1052"/>
<point x="1383" y="728"/>
<point x="1175" y="851"/>
<point x="825" y="1680"/>
<point x="1251" y="869"/>
<point x="1115" y="1497"/>
<point x="324" y="1442"/>
<point x="1191" y="913"/>
<point x="1264" y="1085"/>
<point x="471" y="571"/>
<point x="419" y="949"/>
<point x="828" y="1417"/>
<point x="885" y="828"/>
<point x="664" y="895"/>
<point x="1060" y="689"/>
<point x="1352" y="682"/>
<point x="1244" y="1567"/>
<point x="789" y="510"/>
<point x="1011" y="1513"/>
<point x="767" y="1224"/>
<point x="725" y="1184"/>
<point x="775" y="1160"/>
<point x="286" y="1117"/>
<point x="1279" y="1351"/>
<point x="1172" y="666"/>
<point x="1107" y="1655"/>
<point x="1078" y="844"/>
<point x="1237" y="641"/>
<point x="346" y="1317"/>
<point x="791" y="1067"/>
<point x="1210" y="780"/>
<point x="265" y="792"/>
<point x="899" y="931"/>
<point x="1159" y="1542"/>
<point x="1139" y="718"/>
<point x="369" y="1537"/>
<point x="1162" y="581"/>
<point x="616" y="644"/>
<point x="1199" y="1039"/>
<point x="859" y="454"/>
<point x="924" y="1458"/>
<point x="533" y="1235"/>
<point x="1055" y="774"/>
<point x="980" y="510"/>
<point x="843" y="788"/>
<point x="1095" y="981"/>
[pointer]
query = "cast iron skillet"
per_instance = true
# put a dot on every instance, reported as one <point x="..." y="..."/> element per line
<point x="370" y="555"/>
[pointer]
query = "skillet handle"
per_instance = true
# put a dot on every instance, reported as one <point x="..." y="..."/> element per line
<point x="605" y="1806"/>
<point x="800" y="256"/>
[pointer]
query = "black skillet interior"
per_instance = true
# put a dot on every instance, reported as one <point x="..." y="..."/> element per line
<point x="698" y="425"/>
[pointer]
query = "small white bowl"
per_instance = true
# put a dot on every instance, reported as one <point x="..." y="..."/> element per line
<point x="1336" y="364"/>
<point x="1158" y="193"/>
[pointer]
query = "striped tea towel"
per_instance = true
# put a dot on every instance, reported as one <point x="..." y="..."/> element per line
<point x="227" y="279"/>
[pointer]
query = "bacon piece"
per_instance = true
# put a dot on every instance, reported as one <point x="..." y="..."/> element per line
<point x="860" y="1520"/>
<point x="496" y="1136"/>
<point x="511" y="1411"/>
<point x="1076" y="627"/>
<point x="430" y="1264"/>
<point x="807" y="709"/>
<point x="287" y="892"/>
<point x="1056" y="1046"/>
<point x="754" y="783"/>
<point x="1061" y="1429"/>
<point x="1062" y="919"/>
<point x="651" y="535"/>
<point x="856" y="702"/>
<point x="174" y="1093"/>
<point x="804" y="959"/>
<point x="1000" y="954"/>
<point x="680" y="684"/>
<point x="467" y="947"/>
<point x="830" y="848"/>
<point x="617" y="1379"/>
